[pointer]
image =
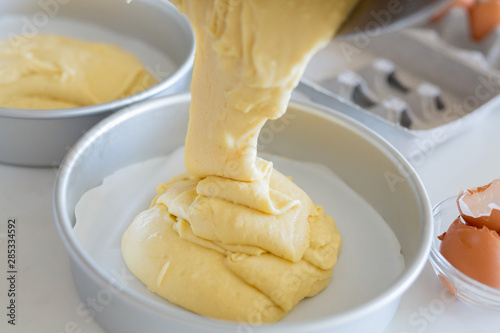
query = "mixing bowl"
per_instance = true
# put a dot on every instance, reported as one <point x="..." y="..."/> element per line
<point x="370" y="18"/>
<point x="363" y="160"/>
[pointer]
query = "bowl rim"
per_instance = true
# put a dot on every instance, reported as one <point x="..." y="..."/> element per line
<point x="171" y="11"/>
<point x="393" y="293"/>
<point x="437" y="259"/>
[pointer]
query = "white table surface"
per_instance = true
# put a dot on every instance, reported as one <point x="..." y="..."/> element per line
<point x="48" y="304"/>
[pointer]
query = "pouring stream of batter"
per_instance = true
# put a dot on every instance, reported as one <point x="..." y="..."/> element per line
<point x="233" y="238"/>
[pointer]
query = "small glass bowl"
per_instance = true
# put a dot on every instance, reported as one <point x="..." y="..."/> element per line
<point x="463" y="287"/>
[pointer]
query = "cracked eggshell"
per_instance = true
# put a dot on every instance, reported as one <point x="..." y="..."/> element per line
<point x="484" y="18"/>
<point x="467" y="4"/>
<point x="480" y="207"/>
<point x="473" y="251"/>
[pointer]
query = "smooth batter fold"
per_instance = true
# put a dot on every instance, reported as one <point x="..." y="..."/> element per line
<point x="233" y="238"/>
<point x="55" y="72"/>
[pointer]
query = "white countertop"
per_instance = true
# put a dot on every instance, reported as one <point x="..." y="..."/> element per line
<point x="50" y="305"/>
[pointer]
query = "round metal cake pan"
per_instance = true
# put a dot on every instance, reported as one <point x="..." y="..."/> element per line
<point x="43" y="137"/>
<point x="154" y="128"/>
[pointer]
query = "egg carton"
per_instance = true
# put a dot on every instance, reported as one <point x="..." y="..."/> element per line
<point x="454" y="30"/>
<point x="419" y="84"/>
<point x="393" y="95"/>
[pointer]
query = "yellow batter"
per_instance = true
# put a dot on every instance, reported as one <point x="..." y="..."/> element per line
<point x="55" y="72"/>
<point x="233" y="238"/>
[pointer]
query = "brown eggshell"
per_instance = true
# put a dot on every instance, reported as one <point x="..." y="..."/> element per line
<point x="451" y="288"/>
<point x="473" y="251"/>
<point x="467" y="4"/>
<point x="484" y="17"/>
<point x="475" y="206"/>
